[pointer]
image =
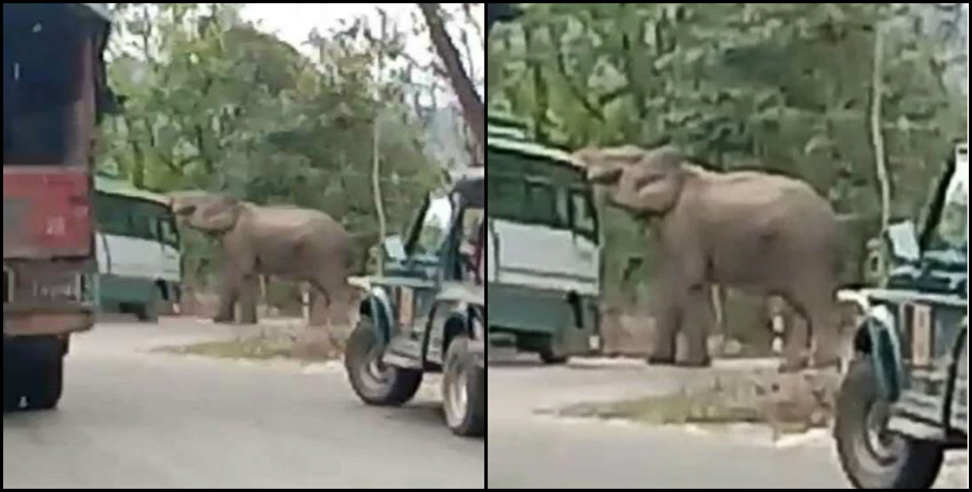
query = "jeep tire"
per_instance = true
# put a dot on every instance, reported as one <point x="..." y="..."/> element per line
<point x="374" y="382"/>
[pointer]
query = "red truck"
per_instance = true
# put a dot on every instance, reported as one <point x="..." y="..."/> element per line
<point x="54" y="91"/>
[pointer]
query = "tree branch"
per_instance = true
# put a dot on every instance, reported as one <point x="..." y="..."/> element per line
<point x="472" y="105"/>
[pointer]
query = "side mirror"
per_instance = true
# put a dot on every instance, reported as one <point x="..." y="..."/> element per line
<point x="904" y="241"/>
<point x="394" y="248"/>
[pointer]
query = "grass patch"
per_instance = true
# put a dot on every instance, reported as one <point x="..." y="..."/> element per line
<point x="253" y="348"/>
<point x="668" y="409"/>
<point x="261" y="348"/>
<point x="725" y="401"/>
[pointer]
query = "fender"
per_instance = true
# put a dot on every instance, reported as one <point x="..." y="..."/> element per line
<point x="379" y="306"/>
<point x="877" y="332"/>
<point x="885" y="342"/>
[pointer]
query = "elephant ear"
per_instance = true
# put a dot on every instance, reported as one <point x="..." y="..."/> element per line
<point x="219" y="215"/>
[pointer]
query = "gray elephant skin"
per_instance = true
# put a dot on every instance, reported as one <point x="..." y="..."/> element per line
<point x="281" y="241"/>
<point x="761" y="233"/>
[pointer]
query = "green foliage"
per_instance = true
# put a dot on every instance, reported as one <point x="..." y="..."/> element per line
<point x="212" y="103"/>
<point x="786" y="87"/>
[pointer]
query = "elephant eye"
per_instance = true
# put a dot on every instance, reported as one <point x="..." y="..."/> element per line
<point x="186" y="210"/>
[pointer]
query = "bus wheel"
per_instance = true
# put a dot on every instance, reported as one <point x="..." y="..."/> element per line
<point x="150" y="310"/>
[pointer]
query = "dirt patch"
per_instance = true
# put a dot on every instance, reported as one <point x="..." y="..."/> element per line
<point x="788" y="403"/>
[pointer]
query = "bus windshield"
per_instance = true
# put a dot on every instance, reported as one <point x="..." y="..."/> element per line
<point x="43" y="77"/>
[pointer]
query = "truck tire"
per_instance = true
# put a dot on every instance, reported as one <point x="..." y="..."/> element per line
<point x="463" y="390"/>
<point x="871" y="458"/>
<point x="35" y="367"/>
<point x="374" y="382"/>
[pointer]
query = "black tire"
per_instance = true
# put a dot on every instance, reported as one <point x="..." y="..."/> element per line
<point x="36" y="370"/>
<point x="393" y="386"/>
<point x="149" y="311"/>
<point x="463" y="390"/>
<point x="901" y="464"/>
<point x="548" y="357"/>
<point x="11" y="378"/>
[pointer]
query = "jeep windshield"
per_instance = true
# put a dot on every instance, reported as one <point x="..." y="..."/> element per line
<point x="529" y="189"/>
<point x="950" y="232"/>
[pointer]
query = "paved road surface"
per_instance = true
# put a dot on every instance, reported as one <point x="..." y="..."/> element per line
<point x="129" y="418"/>
<point x="529" y="449"/>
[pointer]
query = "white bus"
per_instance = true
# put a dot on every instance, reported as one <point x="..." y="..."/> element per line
<point x="137" y="246"/>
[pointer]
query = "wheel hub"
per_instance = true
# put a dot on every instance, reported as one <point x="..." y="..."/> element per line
<point x="457" y="397"/>
<point x="882" y="443"/>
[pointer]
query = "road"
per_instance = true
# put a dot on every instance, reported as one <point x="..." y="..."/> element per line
<point x="130" y="418"/>
<point x="530" y="449"/>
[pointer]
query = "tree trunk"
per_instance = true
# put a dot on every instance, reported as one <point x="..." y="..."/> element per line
<point x="472" y="105"/>
<point x="379" y="209"/>
<point x="876" y="137"/>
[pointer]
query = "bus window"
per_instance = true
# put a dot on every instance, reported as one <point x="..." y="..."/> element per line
<point x="583" y="215"/>
<point x="168" y="231"/>
<point x="113" y="216"/>
<point x="541" y="204"/>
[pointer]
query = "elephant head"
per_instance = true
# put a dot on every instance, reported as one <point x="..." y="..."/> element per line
<point x="207" y="212"/>
<point x="644" y="182"/>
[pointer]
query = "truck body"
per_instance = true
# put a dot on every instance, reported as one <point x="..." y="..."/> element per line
<point x="54" y="90"/>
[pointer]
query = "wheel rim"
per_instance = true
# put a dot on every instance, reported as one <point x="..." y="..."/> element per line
<point x="374" y="374"/>
<point x="457" y="396"/>
<point x="883" y="444"/>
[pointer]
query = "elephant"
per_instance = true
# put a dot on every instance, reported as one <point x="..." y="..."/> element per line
<point x="764" y="234"/>
<point x="278" y="241"/>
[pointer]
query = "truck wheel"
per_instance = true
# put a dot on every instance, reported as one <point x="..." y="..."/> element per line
<point x="12" y="378"/>
<point x="871" y="456"/>
<point x="36" y="365"/>
<point x="374" y="382"/>
<point x="463" y="390"/>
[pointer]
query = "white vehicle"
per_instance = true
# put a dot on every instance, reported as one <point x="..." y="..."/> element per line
<point x="137" y="246"/>
<point x="544" y="253"/>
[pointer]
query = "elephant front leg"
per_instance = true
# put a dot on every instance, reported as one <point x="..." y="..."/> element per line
<point x="698" y="319"/>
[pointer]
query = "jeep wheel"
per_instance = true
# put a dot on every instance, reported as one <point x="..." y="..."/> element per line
<point x="374" y="382"/>
<point x="463" y="390"/>
<point x="871" y="456"/>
